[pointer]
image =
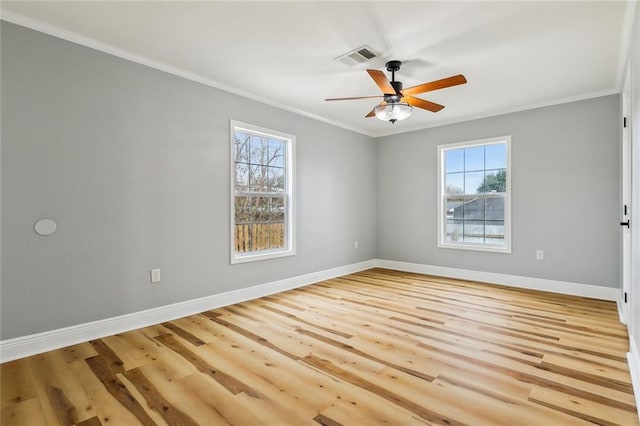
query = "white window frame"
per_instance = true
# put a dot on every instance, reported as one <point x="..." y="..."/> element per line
<point x="442" y="242"/>
<point x="290" y="217"/>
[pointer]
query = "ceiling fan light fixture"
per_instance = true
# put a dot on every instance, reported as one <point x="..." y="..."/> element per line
<point x="393" y="111"/>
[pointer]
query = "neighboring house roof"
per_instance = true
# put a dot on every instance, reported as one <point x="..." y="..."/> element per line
<point x="489" y="208"/>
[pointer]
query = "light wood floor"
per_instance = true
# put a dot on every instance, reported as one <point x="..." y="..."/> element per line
<point x="376" y="347"/>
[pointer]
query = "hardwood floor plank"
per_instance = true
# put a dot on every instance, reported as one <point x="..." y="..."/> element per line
<point x="297" y="319"/>
<point x="325" y="421"/>
<point x="196" y="326"/>
<point x="93" y="421"/>
<point x="617" y="373"/>
<point x="487" y="409"/>
<point x="107" y="355"/>
<point x="351" y="349"/>
<point x="156" y="401"/>
<point x="62" y="397"/>
<point x="253" y="336"/>
<point x="195" y="341"/>
<point x="231" y="383"/>
<point x="17" y="385"/>
<point x="419" y="410"/>
<point x="306" y="388"/>
<point x="100" y="403"/>
<point x="540" y="377"/>
<point x="357" y="408"/>
<point x="581" y="408"/>
<point x="64" y="410"/>
<point x="79" y="352"/>
<point x="23" y="413"/>
<point x="213" y="405"/>
<point x="377" y="347"/>
<point x="108" y="377"/>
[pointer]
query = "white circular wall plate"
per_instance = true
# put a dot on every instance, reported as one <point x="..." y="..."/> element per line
<point x="45" y="227"/>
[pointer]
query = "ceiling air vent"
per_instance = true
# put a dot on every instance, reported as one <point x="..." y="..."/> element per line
<point x="357" y="56"/>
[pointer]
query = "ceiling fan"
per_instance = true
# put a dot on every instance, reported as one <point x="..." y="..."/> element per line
<point x="397" y="102"/>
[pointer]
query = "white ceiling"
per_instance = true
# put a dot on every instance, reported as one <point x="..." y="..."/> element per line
<point x="515" y="55"/>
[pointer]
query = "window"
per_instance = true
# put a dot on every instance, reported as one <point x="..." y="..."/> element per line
<point x="262" y="214"/>
<point x="474" y="195"/>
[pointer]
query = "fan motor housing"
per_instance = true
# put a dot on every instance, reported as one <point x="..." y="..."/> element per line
<point x="392" y="99"/>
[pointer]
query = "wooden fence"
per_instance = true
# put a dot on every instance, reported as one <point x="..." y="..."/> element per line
<point x="259" y="236"/>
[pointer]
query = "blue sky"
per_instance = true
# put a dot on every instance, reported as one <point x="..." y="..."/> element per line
<point x="466" y="167"/>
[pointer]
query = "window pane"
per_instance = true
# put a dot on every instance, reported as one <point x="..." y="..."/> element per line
<point x="242" y="238"/>
<point x="474" y="231"/>
<point x="496" y="156"/>
<point x="494" y="230"/>
<point x="473" y="182"/>
<point x="474" y="159"/>
<point x="494" y="208"/>
<point x="260" y="236"/>
<point x="258" y="150"/>
<point x="474" y="209"/>
<point x="241" y="147"/>
<point x="276" y="235"/>
<point x="277" y="210"/>
<point x="258" y="178"/>
<point x="453" y="208"/>
<point x="243" y="209"/>
<point x="259" y="209"/>
<point x="494" y="181"/>
<point x="276" y="179"/>
<point x="453" y="230"/>
<point x="454" y="183"/>
<point x="242" y="176"/>
<point x="276" y="153"/>
<point x="454" y="160"/>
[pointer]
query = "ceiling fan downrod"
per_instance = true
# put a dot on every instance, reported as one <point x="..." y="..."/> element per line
<point x="393" y="66"/>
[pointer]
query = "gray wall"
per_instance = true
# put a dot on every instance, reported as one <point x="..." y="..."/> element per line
<point x="133" y="164"/>
<point x="565" y="193"/>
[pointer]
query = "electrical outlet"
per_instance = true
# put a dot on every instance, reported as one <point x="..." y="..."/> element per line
<point x="355" y="244"/>
<point x="155" y="275"/>
<point x="539" y="254"/>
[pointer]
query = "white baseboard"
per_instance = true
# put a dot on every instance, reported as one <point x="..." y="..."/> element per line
<point x="633" y="357"/>
<point x="563" y="287"/>
<point x="21" y="347"/>
<point x="622" y="310"/>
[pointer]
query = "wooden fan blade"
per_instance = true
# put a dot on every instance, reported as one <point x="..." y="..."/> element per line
<point x="421" y="103"/>
<point x="435" y="85"/>
<point x="354" y="97"/>
<point x="382" y="81"/>
<point x="372" y="113"/>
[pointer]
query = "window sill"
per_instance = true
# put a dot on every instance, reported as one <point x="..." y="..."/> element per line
<point x="263" y="255"/>
<point x="476" y="247"/>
